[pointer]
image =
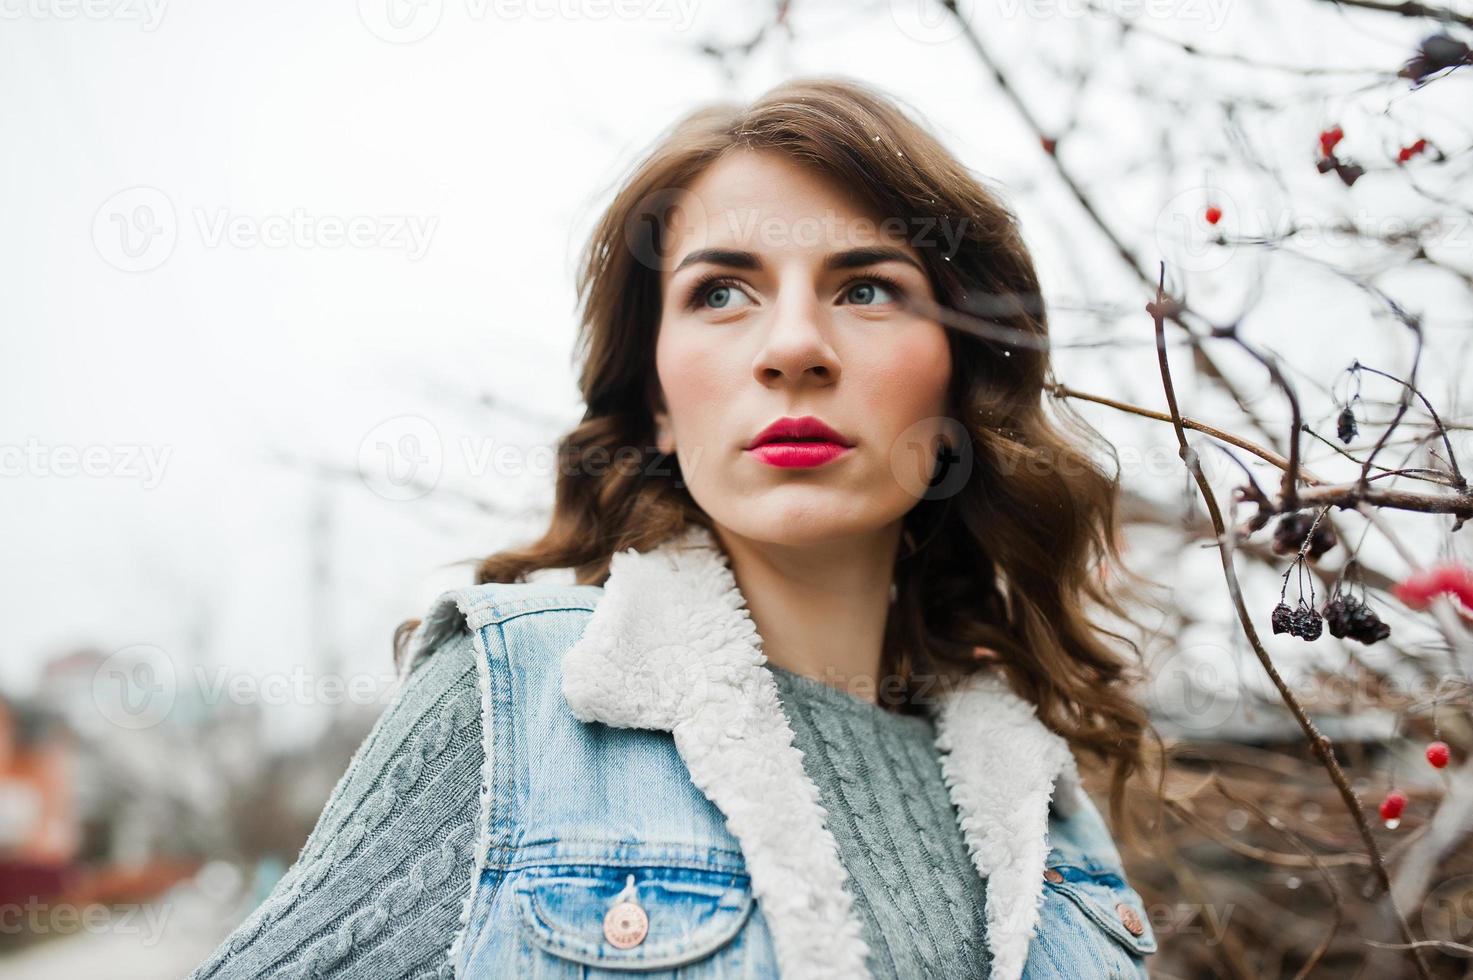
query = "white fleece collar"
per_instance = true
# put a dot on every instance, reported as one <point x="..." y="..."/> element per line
<point x="672" y="646"/>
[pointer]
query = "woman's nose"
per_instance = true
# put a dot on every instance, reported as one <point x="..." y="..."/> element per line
<point x="796" y="345"/>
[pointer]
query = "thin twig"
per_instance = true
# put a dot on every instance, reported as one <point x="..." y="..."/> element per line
<point x="1320" y="744"/>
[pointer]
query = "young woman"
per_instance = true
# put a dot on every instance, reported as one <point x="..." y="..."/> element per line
<point x="799" y="692"/>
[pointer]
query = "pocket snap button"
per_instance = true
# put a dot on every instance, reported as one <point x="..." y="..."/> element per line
<point x="626" y="923"/>
<point x="1130" y="919"/>
<point x="1050" y="874"/>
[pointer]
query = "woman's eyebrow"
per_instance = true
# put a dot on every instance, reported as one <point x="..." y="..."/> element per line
<point x="720" y="256"/>
<point x="853" y="258"/>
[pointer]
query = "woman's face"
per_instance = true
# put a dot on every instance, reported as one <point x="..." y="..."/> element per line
<point x="780" y="300"/>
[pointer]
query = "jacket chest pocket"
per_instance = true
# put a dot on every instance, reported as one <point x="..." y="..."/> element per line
<point x="607" y="920"/>
<point x="1090" y="916"/>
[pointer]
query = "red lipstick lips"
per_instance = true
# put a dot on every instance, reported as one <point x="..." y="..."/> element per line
<point x="799" y="442"/>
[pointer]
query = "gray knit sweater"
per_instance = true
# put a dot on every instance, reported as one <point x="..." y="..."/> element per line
<point x="377" y="890"/>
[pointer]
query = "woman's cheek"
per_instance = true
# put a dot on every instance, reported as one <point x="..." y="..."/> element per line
<point x="694" y="378"/>
<point x="910" y="381"/>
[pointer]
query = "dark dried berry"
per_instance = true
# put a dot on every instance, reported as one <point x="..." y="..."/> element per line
<point x="1366" y="627"/>
<point x="1305" y="623"/>
<point x="1436" y="52"/>
<point x="1337" y="614"/>
<point x="1281" y="618"/>
<point x="1347" y="616"/>
<point x="1325" y="164"/>
<point x="1373" y="634"/>
<point x="1350" y="172"/>
<point x="1345" y="426"/>
<point x="1291" y="530"/>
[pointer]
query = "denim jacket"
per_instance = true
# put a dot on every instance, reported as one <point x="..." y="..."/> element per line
<point x="643" y="807"/>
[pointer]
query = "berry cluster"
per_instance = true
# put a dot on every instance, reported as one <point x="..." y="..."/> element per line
<point x="1395" y="802"/>
<point x="1436" y="53"/>
<point x="1347" y="616"/>
<point x="1292" y="529"/>
<point x="1348" y="171"/>
<point x="1302" y="621"/>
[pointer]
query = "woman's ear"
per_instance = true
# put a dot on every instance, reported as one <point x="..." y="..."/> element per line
<point x="664" y="437"/>
<point x="655" y="400"/>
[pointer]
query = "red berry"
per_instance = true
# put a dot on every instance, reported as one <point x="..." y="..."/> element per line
<point x="1437" y="754"/>
<point x="1391" y="807"/>
<point x="1411" y="150"/>
<point x="1214" y="214"/>
<point x="1457" y="580"/>
<point x="1419" y="589"/>
<point x="1049" y="145"/>
<point x="1328" y="139"/>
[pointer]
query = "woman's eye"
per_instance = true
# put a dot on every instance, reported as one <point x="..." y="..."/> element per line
<point x="868" y="293"/>
<point x="724" y="298"/>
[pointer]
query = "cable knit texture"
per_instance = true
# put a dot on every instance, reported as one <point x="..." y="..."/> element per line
<point x="376" y="891"/>
<point x="378" y="888"/>
<point x="919" y="898"/>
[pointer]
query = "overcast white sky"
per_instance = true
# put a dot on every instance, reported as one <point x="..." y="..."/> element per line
<point x="469" y="145"/>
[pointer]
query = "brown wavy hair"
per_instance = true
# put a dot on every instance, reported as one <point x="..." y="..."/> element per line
<point x="1012" y="560"/>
